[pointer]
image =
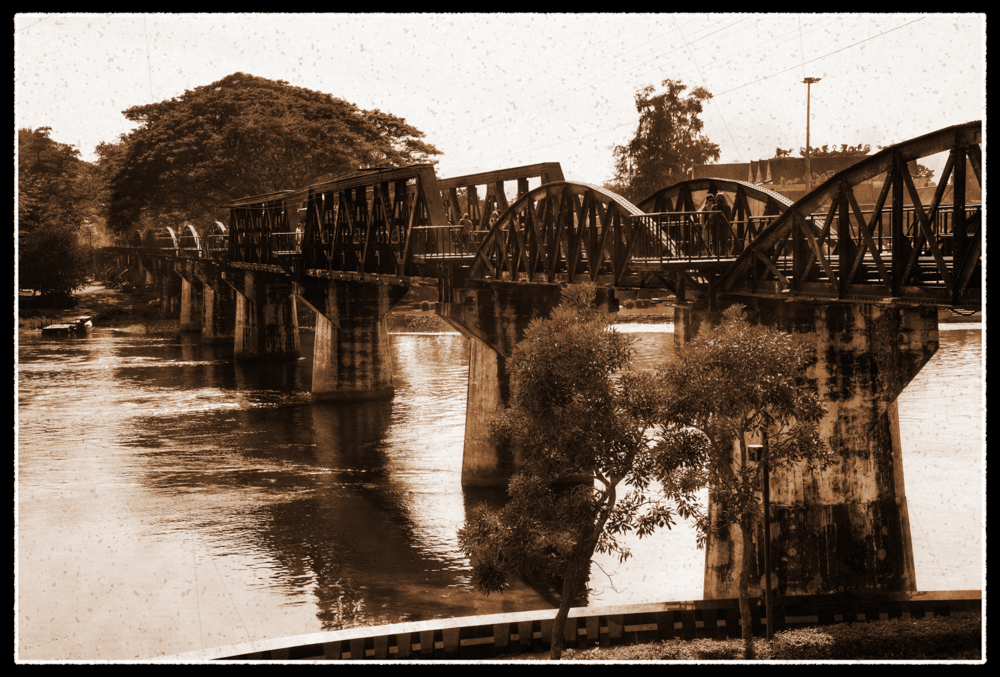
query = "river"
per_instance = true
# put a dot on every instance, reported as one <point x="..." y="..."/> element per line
<point x="169" y="499"/>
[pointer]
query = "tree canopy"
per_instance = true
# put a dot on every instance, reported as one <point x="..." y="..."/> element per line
<point x="585" y="437"/>
<point x="242" y="136"/>
<point x="54" y="186"/>
<point x="845" y="150"/>
<point x="56" y="198"/>
<point x="733" y="384"/>
<point x="667" y="144"/>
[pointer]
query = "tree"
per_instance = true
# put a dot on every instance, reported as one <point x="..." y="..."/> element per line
<point x="51" y="260"/>
<point x="735" y="383"/>
<point x="584" y="439"/>
<point x="241" y="136"/>
<point x="54" y="186"/>
<point x="782" y="152"/>
<point x="667" y="144"/>
<point x="844" y="151"/>
<point x="55" y="199"/>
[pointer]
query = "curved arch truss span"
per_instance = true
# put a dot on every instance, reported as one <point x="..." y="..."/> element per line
<point x="871" y="233"/>
<point x="560" y="231"/>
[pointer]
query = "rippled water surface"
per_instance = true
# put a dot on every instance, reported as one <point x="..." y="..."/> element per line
<point x="170" y="500"/>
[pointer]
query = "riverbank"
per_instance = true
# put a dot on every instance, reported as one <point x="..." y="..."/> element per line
<point x="136" y="312"/>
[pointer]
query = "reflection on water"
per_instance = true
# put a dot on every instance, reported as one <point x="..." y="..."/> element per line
<point x="196" y="502"/>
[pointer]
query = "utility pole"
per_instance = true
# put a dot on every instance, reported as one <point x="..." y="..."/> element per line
<point x="809" y="181"/>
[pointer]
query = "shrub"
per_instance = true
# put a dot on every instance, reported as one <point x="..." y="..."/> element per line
<point x="426" y="305"/>
<point x="941" y="637"/>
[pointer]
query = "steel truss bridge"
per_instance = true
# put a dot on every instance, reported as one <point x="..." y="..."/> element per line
<point x="405" y="226"/>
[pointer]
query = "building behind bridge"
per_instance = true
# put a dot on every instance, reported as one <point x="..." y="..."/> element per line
<point x="786" y="176"/>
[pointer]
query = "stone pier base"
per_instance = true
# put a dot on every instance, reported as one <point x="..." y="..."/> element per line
<point x="845" y="528"/>
<point x="351" y="358"/>
<point x="266" y="323"/>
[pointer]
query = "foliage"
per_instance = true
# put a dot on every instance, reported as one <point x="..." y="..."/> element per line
<point x="671" y="650"/>
<point x="241" y="136"/>
<point x="781" y="152"/>
<point x="51" y="260"/>
<point x="845" y="151"/>
<point x="941" y="637"/>
<point x="729" y="385"/>
<point x="54" y="186"/>
<point x="668" y="142"/>
<point x="584" y="437"/>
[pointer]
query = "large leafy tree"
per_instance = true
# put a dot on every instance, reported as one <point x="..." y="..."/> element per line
<point x="54" y="186"/>
<point x="56" y="199"/>
<point x="667" y="144"/>
<point x="586" y="440"/>
<point x="732" y="384"/>
<point x="241" y="136"/>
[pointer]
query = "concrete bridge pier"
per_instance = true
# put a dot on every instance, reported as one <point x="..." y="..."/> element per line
<point x="207" y="302"/>
<point x="494" y="316"/>
<point x="845" y="529"/>
<point x="351" y="358"/>
<point x="266" y="325"/>
<point x="218" y="310"/>
<point x="170" y="289"/>
<point x="192" y="295"/>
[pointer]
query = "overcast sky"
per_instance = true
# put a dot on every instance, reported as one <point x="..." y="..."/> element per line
<point x="502" y="90"/>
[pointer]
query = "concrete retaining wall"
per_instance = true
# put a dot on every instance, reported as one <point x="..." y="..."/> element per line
<point x="499" y="636"/>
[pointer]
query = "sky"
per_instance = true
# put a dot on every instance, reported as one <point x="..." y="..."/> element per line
<point x="502" y="90"/>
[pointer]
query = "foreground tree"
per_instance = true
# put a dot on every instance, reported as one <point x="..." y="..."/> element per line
<point x="584" y="438"/>
<point x="734" y="383"/>
<point x="241" y="136"/>
<point x="667" y="144"/>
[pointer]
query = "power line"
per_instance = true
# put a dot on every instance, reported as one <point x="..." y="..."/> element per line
<point x="713" y="100"/>
<point x="635" y="120"/>
<point x="34" y="24"/>
<point x="767" y="77"/>
<point x="775" y="40"/>
<point x="590" y="85"/>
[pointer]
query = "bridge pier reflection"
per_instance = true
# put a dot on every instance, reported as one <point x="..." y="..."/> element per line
<point x="845" y="528"/>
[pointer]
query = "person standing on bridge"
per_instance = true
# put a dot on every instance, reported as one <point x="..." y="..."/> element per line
<point x="708" y="206"/>
<point x="467" y="228"/>
<point x="723" y="233"/>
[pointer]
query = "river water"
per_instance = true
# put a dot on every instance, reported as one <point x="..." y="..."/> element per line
<point x="170" y="500"/>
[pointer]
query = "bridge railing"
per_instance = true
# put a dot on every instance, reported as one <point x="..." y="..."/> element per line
<point x="166" y="245"/>
<point x="189" y="245"/>
<point x="445" y="242"/>
<point x="693" y="235"/>
<point x="286" y="244"/>
<point x="880" y="226"/>
<point x="217" y="246"/>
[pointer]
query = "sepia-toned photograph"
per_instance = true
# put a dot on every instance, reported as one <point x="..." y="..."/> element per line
<point x="499" y="337"/>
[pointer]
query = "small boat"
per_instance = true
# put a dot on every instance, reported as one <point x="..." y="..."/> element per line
<point x="77" y="326"/>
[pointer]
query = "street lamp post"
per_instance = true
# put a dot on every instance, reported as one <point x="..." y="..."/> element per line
<point x="809" y="82"/>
